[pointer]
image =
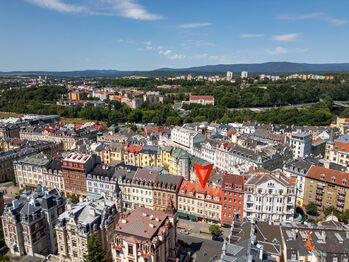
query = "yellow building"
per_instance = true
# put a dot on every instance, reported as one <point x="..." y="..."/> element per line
<point x="132" y="155"/>
<point x="165" y="157"/>
<point x="150" y="156"/>
<point x="114" y="153"/>
<point x="340" y="122"/>
<point x="327" y="187"/>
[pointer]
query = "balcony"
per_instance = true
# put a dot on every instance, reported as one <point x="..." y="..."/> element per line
<point x="340" y="204"/>
<point x="341" y="197"/>
<point x="320" y="187"/>
<point x="319" y="191"/>
<point x="318" y="197"/>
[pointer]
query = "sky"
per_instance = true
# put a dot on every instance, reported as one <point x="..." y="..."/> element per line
<point x="65" y="35"/>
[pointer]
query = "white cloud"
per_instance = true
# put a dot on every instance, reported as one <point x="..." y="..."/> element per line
<point x="125" y="41"/>
<point x="177" y="57"/>
<point x="251" y="35"/>
<point x="130" y="9"/>
<point x="194" y="25"/>
<point x="316" y="15"/>
<point x="286" y="37"/>
<point x="124" y="8"/>
<point x="59" y="6"/>
<point x="283" y="50"/>
<point x="277" y="50"/>
<point x="167" y="52"/>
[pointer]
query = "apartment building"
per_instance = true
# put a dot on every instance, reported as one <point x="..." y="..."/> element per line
<point x="186" y="138"/>
<point x="179" y="162"/>
<point x="327" y="187"/>
<point x="7" y="159"/>
<point x="75" y="169"/>
<point x="79" y="221"/>
<point x="100" y="180"/>
<point x="165" y="187"/>
<point x="203" y="100"/>
<point x="222" y="156"/>
<point x="337" y="150"/>
<point x="199" y="204"/>
<point x="9" y="131"/>
<point x="125" y="178"/>
<point x="232" y="197"/>
<point x="269" y="196"/>
<point x="157" y="241"/>
<point x="142" y="188"/>
<point x="298" y="169"/>
<point x="29" y="221"/>
<point x="132" y="156"/>
<point x="150" y="156"/>
<point x="113" y="153"/>
<point x="301" y="144"/>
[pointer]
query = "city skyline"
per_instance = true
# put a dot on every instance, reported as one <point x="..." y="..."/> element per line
<point x="60" y="35"/>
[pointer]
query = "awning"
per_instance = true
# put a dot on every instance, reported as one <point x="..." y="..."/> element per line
<point x="192" y="217"/>
<point x="180" y="214"/>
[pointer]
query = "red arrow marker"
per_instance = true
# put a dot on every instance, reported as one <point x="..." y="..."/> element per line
<point x="203" y="173"/>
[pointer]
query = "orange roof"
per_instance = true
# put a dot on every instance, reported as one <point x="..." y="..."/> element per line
<point x="194" y="187"/>
<point x="329" y="175"/>
<point x="201" y="97"/>
<point x="133" y="149"/>
<point x="340" y="146"/>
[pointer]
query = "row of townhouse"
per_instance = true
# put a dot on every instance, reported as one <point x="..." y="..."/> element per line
<point x="9" y="158"/>
<point x="259" y="195"/>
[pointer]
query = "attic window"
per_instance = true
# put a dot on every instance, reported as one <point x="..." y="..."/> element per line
<point x="322" y="176"/>
<point x="344" y="181"/>
<point x="343" y="149"/>
<point x="333" y="179"/>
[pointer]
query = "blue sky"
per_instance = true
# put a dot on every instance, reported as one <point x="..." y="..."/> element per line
<point x="68" y="35"/>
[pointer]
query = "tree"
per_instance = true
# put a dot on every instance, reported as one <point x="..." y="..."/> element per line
<point x="215" y="230"/>
<point x="311" y="209"/>
<point x="332" y="210"/>
<point x="74" y="198"/>
<point x="95" y="252"/>
<point x="4" y="258"/>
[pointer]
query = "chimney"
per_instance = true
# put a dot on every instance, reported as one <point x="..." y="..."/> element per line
<point x="81" y="199"/>
<point x="15" y="203"/>
<point x="261" y="252"/>
<point x="92" y="212"/>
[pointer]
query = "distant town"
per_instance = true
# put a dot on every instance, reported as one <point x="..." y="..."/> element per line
<point x="83" y="182"/>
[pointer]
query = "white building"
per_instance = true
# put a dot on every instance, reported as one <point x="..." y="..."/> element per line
<point x="229" y="75"/>
<point x="301" y="144"/>
<point x="269" y="196"/>
<point x="186" y="138"/>
<point x="244" y="74"/>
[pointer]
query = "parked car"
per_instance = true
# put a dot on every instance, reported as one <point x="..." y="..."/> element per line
<point x="183" y="231"/>
<point x="217" y="238"/>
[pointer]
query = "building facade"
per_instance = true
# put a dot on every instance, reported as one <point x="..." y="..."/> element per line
<point x="29" y="221"/>
<point x="269" y="196"/>
<point x="155" y="242"/>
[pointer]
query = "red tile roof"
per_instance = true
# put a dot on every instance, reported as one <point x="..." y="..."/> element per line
<point x="202" y="97"/>
<point x="315" y="172"/>
<point x="340" y="146"/>
<point x="194" y="187"/>
<point x="133" y="149"/>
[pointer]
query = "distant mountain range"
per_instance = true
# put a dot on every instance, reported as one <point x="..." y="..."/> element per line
<point x="270" y="67"/>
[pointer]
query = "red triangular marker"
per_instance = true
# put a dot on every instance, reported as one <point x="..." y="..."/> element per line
<point x="203" y="173"/>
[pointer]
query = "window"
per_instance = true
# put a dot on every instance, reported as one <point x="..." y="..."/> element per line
<point x="130" y="249"/>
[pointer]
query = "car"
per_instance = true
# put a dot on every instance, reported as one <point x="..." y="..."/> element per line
<point x="183" y="231"/>
<point x="217" y="238"/>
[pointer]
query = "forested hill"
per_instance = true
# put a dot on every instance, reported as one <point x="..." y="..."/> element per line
<point x="270" y="67"/>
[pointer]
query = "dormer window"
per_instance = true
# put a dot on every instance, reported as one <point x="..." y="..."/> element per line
<point x="208" y="197"/>
<point x="344" y="181"/>
<point x="322" y="176"/>
<point x="190" y="193"/>
<point x="333" y="179"/>
<point x="182" y="192"/>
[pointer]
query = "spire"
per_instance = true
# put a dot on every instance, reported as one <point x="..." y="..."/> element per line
<point x="170" y="209"/>
<point x="330" y="140"/>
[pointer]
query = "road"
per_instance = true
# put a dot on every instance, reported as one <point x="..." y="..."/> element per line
<point x="200" y="246"/>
